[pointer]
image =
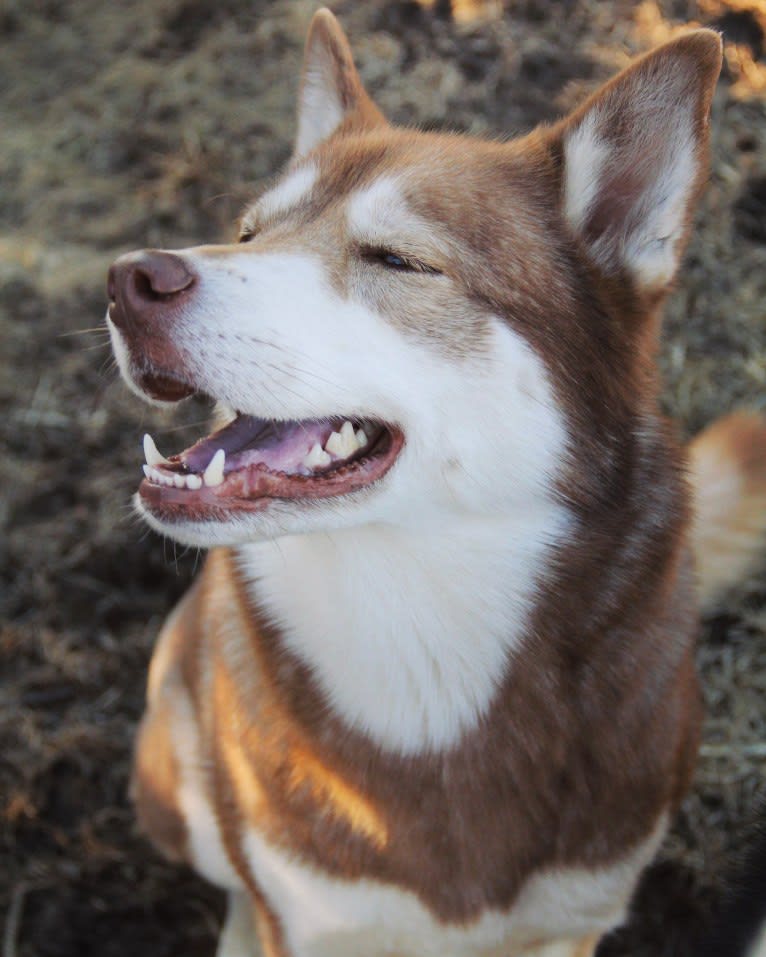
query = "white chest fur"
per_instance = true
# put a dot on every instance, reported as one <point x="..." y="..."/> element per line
<point x="408" y="634"/>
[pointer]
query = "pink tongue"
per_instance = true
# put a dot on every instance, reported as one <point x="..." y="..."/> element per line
<point x="280" y="446"/>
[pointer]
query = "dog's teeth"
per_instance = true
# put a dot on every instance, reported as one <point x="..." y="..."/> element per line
<point x="316" y="457"/>
<point x="158" y="477"/>
<point x="343" y="443"/>
<point x="361" y="438"/>
<point x="213" y="474"/>
<point x="151" y="454"/>
<point x="334" y="443"/>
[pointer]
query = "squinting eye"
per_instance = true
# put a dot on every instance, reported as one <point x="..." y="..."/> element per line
<point x="399" y="263"/>
<point x="249" y="232"/>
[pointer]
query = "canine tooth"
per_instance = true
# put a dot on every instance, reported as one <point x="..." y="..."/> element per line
<point x="152" y="455"/>
<point x="193" y="482"/>
<point x="147" y="472"/>
<point x="213" y="474"/>
<point x="361" y="438"/>
<point x="334" y="444"/>
<point x="343" y="443"/>
<point x="317" y="456"/>
<point x="179" y="481"/>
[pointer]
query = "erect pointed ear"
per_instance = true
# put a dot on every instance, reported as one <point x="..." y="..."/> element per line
<point x="331" y="93"/>
<point x="635" y="156"/>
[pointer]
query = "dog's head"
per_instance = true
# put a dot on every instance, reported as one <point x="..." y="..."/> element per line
<point x="413" y="323"/>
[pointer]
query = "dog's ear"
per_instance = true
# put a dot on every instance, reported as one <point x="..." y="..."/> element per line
<point x="331" y="93"/>
<point x="634" y="157"/>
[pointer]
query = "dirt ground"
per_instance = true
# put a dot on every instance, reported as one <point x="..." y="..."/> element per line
<point x="148" y="123"/>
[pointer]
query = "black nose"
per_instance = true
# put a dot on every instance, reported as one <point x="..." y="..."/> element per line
<point x="142" y="284"/>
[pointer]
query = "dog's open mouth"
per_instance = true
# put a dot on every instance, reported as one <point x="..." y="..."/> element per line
<point x="251" y="461"/>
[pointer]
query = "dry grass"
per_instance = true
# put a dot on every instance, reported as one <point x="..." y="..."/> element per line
<point x="148" y="123"/>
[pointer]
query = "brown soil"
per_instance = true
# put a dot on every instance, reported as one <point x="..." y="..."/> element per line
<point x="148" y="122"/>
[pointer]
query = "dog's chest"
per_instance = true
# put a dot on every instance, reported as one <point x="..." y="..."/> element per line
<point x="438" y="858"/>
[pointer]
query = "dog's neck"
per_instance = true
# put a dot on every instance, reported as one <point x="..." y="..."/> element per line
<point x="408" y="633"/>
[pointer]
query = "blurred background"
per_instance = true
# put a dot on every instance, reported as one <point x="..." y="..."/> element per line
<point x="149" y="123"/>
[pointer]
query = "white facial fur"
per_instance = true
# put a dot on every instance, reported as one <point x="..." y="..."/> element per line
<point x="293" y="189"/>
<point x="379" y="216"/>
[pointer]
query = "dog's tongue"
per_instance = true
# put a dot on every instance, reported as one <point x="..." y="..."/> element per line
<point x="280" y="446"/>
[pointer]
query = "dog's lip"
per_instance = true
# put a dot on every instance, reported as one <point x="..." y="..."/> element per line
<point x="164" y="386"/>
<point x="153" y="371"/>
<point x="255" y="486"/>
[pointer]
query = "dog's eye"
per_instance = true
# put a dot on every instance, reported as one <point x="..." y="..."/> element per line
<point x="248" y="230"/>
<point x="398" y="262"/>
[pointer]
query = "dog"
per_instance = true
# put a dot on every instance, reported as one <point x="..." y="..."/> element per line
<point x="434" y="692"/>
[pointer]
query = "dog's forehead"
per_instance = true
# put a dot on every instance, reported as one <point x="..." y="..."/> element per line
<point x="401" y="179"/>
<point x="383" y="211"/>
<point x="291" y="191"/>
<point x="418" y="169"/>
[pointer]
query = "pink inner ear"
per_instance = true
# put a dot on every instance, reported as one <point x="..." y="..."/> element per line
<point x="636" y="173"/>
<point x="634" y="156"/>
<point x="627" y="189"/>
<point x="617" y="202"/>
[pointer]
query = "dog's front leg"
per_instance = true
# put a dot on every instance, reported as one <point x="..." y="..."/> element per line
<point x="238" y="937"/>
<point x="580" y="947"/>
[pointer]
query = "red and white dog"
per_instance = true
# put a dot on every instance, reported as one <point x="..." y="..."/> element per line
<point x="435" y="693"/>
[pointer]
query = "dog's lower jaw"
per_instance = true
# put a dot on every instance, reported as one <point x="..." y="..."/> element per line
<point x="272" y="521"/>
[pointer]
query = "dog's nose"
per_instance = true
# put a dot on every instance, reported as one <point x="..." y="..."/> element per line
<point x="141" y="282"/>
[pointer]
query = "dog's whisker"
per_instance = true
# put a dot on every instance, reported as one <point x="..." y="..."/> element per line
<point x="297" y="372"/>
<point x="108" y="366"/>
<point x="100" y="345"/>
<point x="169" y="430"/>
<point x="84" y="332"/>
<point x="291" y="351"/>
<point x="277" y="400"/>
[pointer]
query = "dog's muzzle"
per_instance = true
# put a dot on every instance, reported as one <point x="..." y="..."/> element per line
<point x="148" y="291"/>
